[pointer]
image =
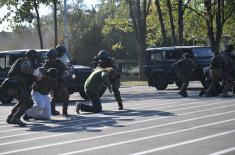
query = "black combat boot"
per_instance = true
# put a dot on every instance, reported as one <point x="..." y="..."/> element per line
<point x="78" y="107"/>
<point x="21" y="111"/>
<point x="183" y="93"/>
<point x="65" y="113"/>
<point x="65" y="109"/>
<point x="17" y="121"/>
<point x="13" y="111"/>
<point x="9" y="118"/>
<point x="53" y="111"/>
<point x="120" y="105"/>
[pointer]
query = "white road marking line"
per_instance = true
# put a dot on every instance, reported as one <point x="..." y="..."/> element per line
<point x="70" y="121"/>
<point x="129" y="131"/>
<point x="67" y="122"/>
<point x="182" y="143"/>
<point x="159" y="135"/>
<point x="29" y="133"/>
<point x="223" y="151"/>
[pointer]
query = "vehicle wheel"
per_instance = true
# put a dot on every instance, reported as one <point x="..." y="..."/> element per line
<point x="160" y="82"/>
<point x="83" y="95"/>
<point x="161" y="85"/>
<point x="6" y="100"/>
<point x="178" y="83"/>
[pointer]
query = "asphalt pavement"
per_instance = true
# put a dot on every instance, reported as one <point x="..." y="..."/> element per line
<point x="153" y="122"/>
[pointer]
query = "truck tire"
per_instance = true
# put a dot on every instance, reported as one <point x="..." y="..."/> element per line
<point x="161" y="85"/>
<point x="160" y="82"/>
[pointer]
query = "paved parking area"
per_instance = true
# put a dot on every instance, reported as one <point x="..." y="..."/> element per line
<point x="153" y="122"/>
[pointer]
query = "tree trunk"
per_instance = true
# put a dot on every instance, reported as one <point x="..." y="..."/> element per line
<point x="219" y="29"/>
<point x="180" y="23"/>
<point x="55" y="21"/>
<point x="163" y="30"/>
<point x="138" y="16"/>
<point x="171" y="23"/>
<point x="38" y="23"/>
<point x="210" y="27"/>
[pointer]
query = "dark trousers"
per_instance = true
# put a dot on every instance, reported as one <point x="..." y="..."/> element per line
<point x="184" y="78"/>
<point x="95" y="101"/>
<point x="22" y="93"/>
<point x="218" y="75"/>
<point x="60" y="94"/>
<point x="115" y="86"/>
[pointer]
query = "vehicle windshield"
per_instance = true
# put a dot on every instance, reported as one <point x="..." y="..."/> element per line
<point x="202" y="52"/>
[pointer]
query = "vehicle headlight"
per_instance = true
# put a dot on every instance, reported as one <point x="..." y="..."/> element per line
<point x="73" y="76"/>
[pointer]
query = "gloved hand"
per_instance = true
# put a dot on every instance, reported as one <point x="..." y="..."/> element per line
<point x="38" y="74"/>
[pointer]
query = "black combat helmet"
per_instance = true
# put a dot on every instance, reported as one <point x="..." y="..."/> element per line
<point x="61" y="49"/>
<point x="52" y="53"/>
<point x="103" y="55"/>
<point x="32" y="55"/>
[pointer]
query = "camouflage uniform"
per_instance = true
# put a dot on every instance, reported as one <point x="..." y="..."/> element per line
<point x="60" y="93"/>
<point x="21" y="74"/>
<point x="93" y="84"/>
<point x="219" y="72"/>
<point x="184" y="68"/>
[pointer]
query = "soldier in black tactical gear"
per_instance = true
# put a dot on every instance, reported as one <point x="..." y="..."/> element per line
<point x="60" y="93"/>
<point x="219" y="72"/>
<point x="22" y="73"/>
<point x="106" y="61"/>
<point x="229" y="66"/>
<point x="184" y="68"/>
<point x="229" y="50"/>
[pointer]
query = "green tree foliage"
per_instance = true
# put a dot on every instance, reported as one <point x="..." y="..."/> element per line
<point x="118" y="31"/>
<point x="126" y="28"/>
<point x="26" y="11"/>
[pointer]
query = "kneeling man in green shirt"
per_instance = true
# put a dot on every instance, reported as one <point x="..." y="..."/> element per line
<point x="93" y="84"/>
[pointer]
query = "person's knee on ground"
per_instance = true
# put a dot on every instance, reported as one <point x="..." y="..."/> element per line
<point x="97" y="109"/>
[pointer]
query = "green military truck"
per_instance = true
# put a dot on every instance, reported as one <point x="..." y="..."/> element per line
<point x="158" y="62"/>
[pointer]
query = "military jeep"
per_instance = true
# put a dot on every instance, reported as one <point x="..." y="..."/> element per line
<point x="158" y="63"/>
<point x="75" y="82"/>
